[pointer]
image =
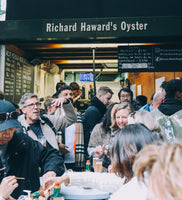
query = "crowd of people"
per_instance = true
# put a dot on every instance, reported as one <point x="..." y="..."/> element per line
<point x="138" y="143"/>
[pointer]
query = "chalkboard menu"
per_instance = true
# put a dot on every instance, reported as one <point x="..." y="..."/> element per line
<point x="151" y="58"/>
<point x="19" y="77"/>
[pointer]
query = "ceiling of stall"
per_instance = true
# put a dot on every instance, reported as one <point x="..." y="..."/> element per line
<point x="71" y="56"/>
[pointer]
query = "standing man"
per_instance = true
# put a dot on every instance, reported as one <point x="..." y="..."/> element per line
<point x="158" y="98"/>
<point x="126" y="95"/>
<point x="21" y="156"/>
<point x="44" y="128"/>
<point x="96" y="111"/>
<point x="72" y="138"/>
<point x="169" y="113"/>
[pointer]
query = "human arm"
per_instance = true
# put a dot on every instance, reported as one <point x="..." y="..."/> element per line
<point x="7" y="186"/>
<point x="103" y="181"/>
<point x="52" y="161"/>
<point x="96" y="136"/>
<point x="79" y="93"/>
<point x="61" y="121"/>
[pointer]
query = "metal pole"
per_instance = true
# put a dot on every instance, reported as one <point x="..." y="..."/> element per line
<point x="2" y="66"/>
<point x="93" y="53"/>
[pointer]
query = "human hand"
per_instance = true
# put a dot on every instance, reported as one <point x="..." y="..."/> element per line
<point x="47" y="175"/>
<point x="7" y="186"/>
<point x="79" y="93"/>
<point x="62" y="148"/>
<point x="99" y="151"/>
<point x="10" y="198"/>
<point x="49" y="183"/>
<point x="58" y="102"/>
<point x="110" y="169"/>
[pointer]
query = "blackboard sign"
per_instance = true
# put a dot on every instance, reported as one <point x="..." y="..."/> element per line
<point x="151" y="58"/>
<point x="19" y="77"/>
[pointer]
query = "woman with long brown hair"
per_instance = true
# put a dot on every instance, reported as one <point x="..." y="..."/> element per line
<point x="129" y="141"/>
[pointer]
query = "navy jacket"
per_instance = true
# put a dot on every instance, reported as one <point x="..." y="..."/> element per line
<point x="92" y="116"/>
<point x="24" y="157"/>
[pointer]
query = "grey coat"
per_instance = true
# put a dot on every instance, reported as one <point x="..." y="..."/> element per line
<point x="59" y="121"/>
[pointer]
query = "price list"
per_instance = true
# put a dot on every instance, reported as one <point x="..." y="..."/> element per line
<point x="18" y="77"/>
<point x="162" y="58"/>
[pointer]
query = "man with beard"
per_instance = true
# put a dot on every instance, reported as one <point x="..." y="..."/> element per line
<point x="126" y="95"/>
<point x="169" y="113"/>
<point x="72" y="144"/>
<point x="43" y="128"/>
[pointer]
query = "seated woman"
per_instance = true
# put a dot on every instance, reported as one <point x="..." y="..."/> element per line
<point x="128" y="142"/>
<point x="101" y="133"/>
<point x="163" y="164"/>
<point x="119" y="120"/>
<point x="7" y="186"/>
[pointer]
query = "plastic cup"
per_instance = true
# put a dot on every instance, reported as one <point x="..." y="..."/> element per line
<point x="99" y="166"/>
<point x="94" y="163"/>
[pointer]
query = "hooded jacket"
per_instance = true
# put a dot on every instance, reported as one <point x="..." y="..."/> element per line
<point x="169" y="116"/>
<point x="24" y="157"/>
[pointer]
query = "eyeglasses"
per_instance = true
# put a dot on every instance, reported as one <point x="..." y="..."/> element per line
<point x="125" y="96"/>
<point x="32" y="105"/>
<point x="5" y="116"/>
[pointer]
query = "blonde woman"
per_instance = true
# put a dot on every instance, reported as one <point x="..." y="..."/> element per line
<point x="163" y="164"/>
<point x="119" y="120"/>
<point x="120" y="116"/>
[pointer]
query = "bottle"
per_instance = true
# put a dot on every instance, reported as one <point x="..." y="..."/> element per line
<point x="28" y="197"/>
<point x="88" y="165"/>
<point x="35" y="195"/>
<point x="56" y="191"/>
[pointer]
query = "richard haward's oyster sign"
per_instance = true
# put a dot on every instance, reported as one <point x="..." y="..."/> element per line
<point x="99" y="27"/>
<point x="91" y="28"/>
<point x="112" y="27"/>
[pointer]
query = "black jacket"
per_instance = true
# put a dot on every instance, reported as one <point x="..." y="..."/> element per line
<point x="170" y="106"/>
<point x="92" y="116"/>
<point x="24" y="157"/>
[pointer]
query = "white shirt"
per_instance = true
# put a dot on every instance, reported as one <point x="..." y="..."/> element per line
<point x="131" y="191"/>
<point x="107" y="182"/>
<point x="69" y="141"/>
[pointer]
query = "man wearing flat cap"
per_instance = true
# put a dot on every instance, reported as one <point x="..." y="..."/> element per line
<point x="22" y="156"/>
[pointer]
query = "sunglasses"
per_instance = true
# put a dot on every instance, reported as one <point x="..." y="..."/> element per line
<point x="5" y="116"/>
